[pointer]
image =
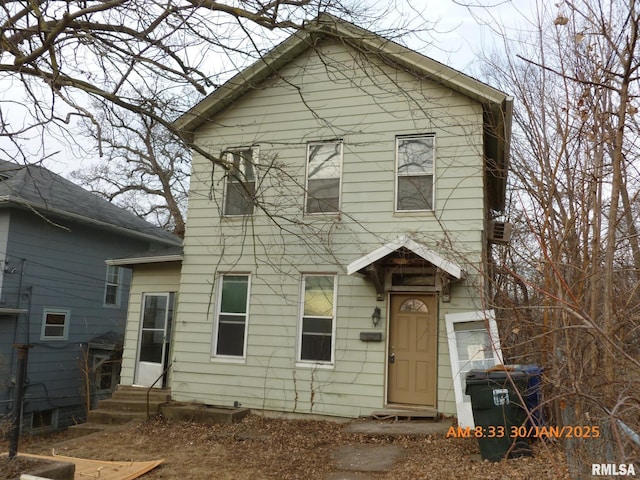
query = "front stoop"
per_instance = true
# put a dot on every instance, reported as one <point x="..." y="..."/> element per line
<point x="407" y="414"/>
<point x="130" y="404"/>
<point x="127" y="404"/>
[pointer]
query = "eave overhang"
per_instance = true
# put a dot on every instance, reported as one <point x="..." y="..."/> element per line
<point x="125" y="262"/>
<point x="445" y="265"/>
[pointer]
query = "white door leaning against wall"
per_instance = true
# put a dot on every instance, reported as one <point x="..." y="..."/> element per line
<point x="473" y="344"/>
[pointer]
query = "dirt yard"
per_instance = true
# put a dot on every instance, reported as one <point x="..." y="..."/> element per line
<point x="260" y="448"/>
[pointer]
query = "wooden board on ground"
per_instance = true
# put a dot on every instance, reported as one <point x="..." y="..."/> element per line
<point x="104" y="470"/>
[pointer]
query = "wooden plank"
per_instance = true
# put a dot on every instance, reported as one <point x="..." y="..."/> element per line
<point x="86" y="468"/>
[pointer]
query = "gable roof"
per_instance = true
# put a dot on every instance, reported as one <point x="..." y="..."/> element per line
<point x="496" y="104"/>
<point x="448" y="266"/>
<point x="35" y="188"/>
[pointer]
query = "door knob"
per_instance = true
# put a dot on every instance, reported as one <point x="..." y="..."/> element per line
<point x="392" y="358"/>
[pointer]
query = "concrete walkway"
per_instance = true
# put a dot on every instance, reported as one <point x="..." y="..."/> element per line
<point x="411" y="428"/>
<point x="357" y="462"/>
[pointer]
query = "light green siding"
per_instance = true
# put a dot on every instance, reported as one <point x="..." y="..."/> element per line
<point x="324" y="94"/>
<point x="147" y="278"/>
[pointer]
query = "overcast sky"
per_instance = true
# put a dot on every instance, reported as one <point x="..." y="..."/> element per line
<point x="462" y="30"/>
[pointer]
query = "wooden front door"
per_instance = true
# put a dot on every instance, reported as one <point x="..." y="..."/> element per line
<point x="412" y="359"/>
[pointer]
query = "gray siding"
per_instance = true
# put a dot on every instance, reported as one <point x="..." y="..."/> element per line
<point x="62" y="267"/>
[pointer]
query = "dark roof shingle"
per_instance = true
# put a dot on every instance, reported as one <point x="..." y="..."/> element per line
<point x="35" y="187"/>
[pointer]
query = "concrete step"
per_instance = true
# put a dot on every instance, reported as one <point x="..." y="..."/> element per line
<point x="406" y="414"/>
<point x="112" y="417"/>
<point x="129" y="405"/>
<point x="139" y="393"/>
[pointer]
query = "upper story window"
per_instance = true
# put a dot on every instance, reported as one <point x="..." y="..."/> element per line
<point x="55" y="324"/>
<point x="240" y="184"/>
<point x="415" y="159"/>
<point x="112" y="288"/>
<point x="324" y="167"/>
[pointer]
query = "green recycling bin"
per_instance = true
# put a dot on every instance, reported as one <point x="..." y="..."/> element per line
<point x="498" y="412"/>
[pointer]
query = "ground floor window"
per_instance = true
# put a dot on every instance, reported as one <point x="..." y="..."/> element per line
<point x="55" y="324"/>
<point x="317" y="323"/>
<point x="232" y="315"/>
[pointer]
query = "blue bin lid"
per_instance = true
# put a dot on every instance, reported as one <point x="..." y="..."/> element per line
<point x="529" y="369"/>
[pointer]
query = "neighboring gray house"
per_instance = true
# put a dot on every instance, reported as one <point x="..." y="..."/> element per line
<point x="58" y="295"/>
<point x="356" y="212"/>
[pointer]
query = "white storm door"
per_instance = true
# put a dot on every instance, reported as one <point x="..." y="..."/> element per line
<point x="473" y="344"/>
<point x="153" y="340"/>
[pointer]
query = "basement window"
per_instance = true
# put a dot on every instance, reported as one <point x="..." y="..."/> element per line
<point x="43" y="419"/>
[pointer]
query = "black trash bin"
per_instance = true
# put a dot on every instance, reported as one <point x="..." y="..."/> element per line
<point x="499" y="405"/>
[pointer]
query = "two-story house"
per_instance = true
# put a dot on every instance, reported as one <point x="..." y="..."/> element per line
<point x="340" y="202"/>
<point x="57" y="295"/>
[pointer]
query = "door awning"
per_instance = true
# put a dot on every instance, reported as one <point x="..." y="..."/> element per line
<point x="444" y="264"/>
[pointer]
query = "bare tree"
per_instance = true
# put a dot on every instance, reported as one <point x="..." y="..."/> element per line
<point x="144" y="166"/>
<point x="56" y="56"/>
<point x="575" y="166"/>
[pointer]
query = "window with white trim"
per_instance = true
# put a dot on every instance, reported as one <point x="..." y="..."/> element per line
<point x="55" y="324"/>
<point x="240" y="182"/>
<point x="232" y="315"/>
<point x="324" y="167"/>
<point x="112" y="287"/>
<point x="415" y="172"/>
<point x="316" y="342"/>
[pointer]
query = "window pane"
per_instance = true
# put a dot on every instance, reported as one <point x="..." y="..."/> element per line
<point x="316" y="348"/>
<point x="56" y="318"/>
<point x="240" y="183"/>
<point x="324" y="160"/>
<point x="53" y="331"/>
<point x="151" y="346"/>
<point x="105" y="379"/>
<point x="239" y="199"/>
<point x="112" y="274"/>
<point x="234" y="294"/>
<point x="155" y="308"/>
<point x="414" y="305"/>
<point x="323" y="195"/>
<point x="230" y="336"/>
<point x="323" y="177"/>
<point x="316" y="325"/>
<point x="318" y="296"/>
<point x="415" y="193"/>
<point x="242" y="169"/>
<point x="415" y="155"/>
<point x="111" y="296"/>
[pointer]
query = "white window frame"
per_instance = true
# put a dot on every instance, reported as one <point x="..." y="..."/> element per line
<point x="214" y="347"/>
<point x="300" y="362"/>
<point x="65" y="329"/>
<point x="54" y="420"/>
<point x="228" y="157"/>
<point x="307" y="198"/>
<point x="399" y="139"/>
<point x="117" y="284"/>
